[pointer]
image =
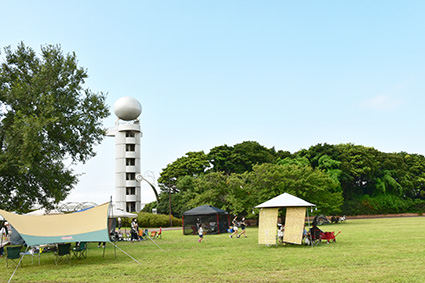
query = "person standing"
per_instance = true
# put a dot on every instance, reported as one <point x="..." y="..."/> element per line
<point x="235" y="226"/>
<point x="134" y="230"/>
<point x="200" y="233"/>
<point x="280" y="232"/>
<point x="3" y="237"/>
<point x="243" y="226"/>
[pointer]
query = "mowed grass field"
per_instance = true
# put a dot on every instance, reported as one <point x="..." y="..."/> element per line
<point x="372" y="250"/>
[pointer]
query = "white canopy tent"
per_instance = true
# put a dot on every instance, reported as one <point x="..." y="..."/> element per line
<point x="294" y="223"/>
<point x="285" y="200"/>
<point x="117" y="212"/>
<point x="43" y="211"/>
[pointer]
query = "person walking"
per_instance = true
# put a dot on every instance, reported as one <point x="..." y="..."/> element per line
<point x="243" y="226"/>
<point x="235" y="226"/>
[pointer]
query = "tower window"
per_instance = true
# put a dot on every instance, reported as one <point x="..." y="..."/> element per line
<point x="130" y="176"/>
<point x="130" y="147"/>
<point x="129" y="134"/>
<point x="130" y="161"/>
<point x="131" y="206"/>
<point x="130" y="191"/>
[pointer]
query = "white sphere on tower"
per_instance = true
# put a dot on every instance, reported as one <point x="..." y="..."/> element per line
<point x="127" y="108"/>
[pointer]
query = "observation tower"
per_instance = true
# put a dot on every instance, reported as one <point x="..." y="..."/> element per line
<point x="127" y="133"/>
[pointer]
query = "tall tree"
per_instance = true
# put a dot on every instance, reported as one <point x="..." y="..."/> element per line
<point x="47" y="118"/>
<point x="313" y="185"/>
<point x="241" y="157"/>
<point x="192" y="164"/>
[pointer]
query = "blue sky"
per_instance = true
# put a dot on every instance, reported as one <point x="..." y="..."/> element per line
<point x="288" y="74"/>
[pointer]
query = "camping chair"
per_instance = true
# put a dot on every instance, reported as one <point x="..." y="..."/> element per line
<point x="13" y="254"/>
<point x="80" y="250"/>
<point x="157" y="234"/>
<point x="143" y="234"/>
<point x="34" y="252"/>
<point x="315" y="237"/>
<point x="62" y="254"/>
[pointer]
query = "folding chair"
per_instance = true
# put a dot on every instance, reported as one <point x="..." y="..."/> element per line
<point x="13" y="254"/>
<point x="35" y="253"/>
<point x="157" y="234"/>
<point x="80" y="250"/>
<point x="62" y="254"/>
<point x="143" y="234"/>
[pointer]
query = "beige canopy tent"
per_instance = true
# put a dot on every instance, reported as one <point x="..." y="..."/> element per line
<point x="90" y="225"/>
<point x="86" y="226"/>
<point x="294" y="221"/>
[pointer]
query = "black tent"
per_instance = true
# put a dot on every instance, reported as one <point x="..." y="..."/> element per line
<point x="214" y="220"/>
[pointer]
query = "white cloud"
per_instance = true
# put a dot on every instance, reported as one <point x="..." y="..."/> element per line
<point x="381" y="102"/>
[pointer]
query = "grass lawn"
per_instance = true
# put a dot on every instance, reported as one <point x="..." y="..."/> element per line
<point x="373" y="250"/>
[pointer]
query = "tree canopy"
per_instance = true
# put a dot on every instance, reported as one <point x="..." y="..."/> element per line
<point x="47" y="120"/>
<point x="340" y="179"/>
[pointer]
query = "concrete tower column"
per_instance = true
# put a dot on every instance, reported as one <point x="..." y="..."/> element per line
<point x="127" y="133"/>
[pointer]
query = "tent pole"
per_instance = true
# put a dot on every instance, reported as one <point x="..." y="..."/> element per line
<point x="156" y="244"/>
<point x="126" y="254"/>
<point x="218" y="224"/>
<point x="228" y="221"/>
<point x="308" y="218"/>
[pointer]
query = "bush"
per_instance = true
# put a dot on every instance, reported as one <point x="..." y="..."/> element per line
<point x="418" y="206"/>
<point x="358" y="207"/>
<point x="147" y="220"/>
<point x="381" y="204"/>
<point x="126" y="222"/>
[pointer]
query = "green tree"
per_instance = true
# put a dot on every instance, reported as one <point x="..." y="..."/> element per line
<point x="228" y="192"/>
<point x="331" y="167"/>
<point x="192" y="164"/>
<point x="414" y="179"/>
<point x="300" y="161"/>
<point x="46" y="118"/>
<point x="184" y="191"/>
<point x="241" y="157"/>
<point x="313" y="185"/>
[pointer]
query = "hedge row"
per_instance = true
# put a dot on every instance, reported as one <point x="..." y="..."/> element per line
<point x="148" y="220"/>
<point x="383" y="204"/>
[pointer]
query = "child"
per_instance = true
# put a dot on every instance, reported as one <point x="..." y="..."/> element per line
<point x="243" y="225"/>
<point x="280" y="232"/>
<point x="201" y="233"/>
